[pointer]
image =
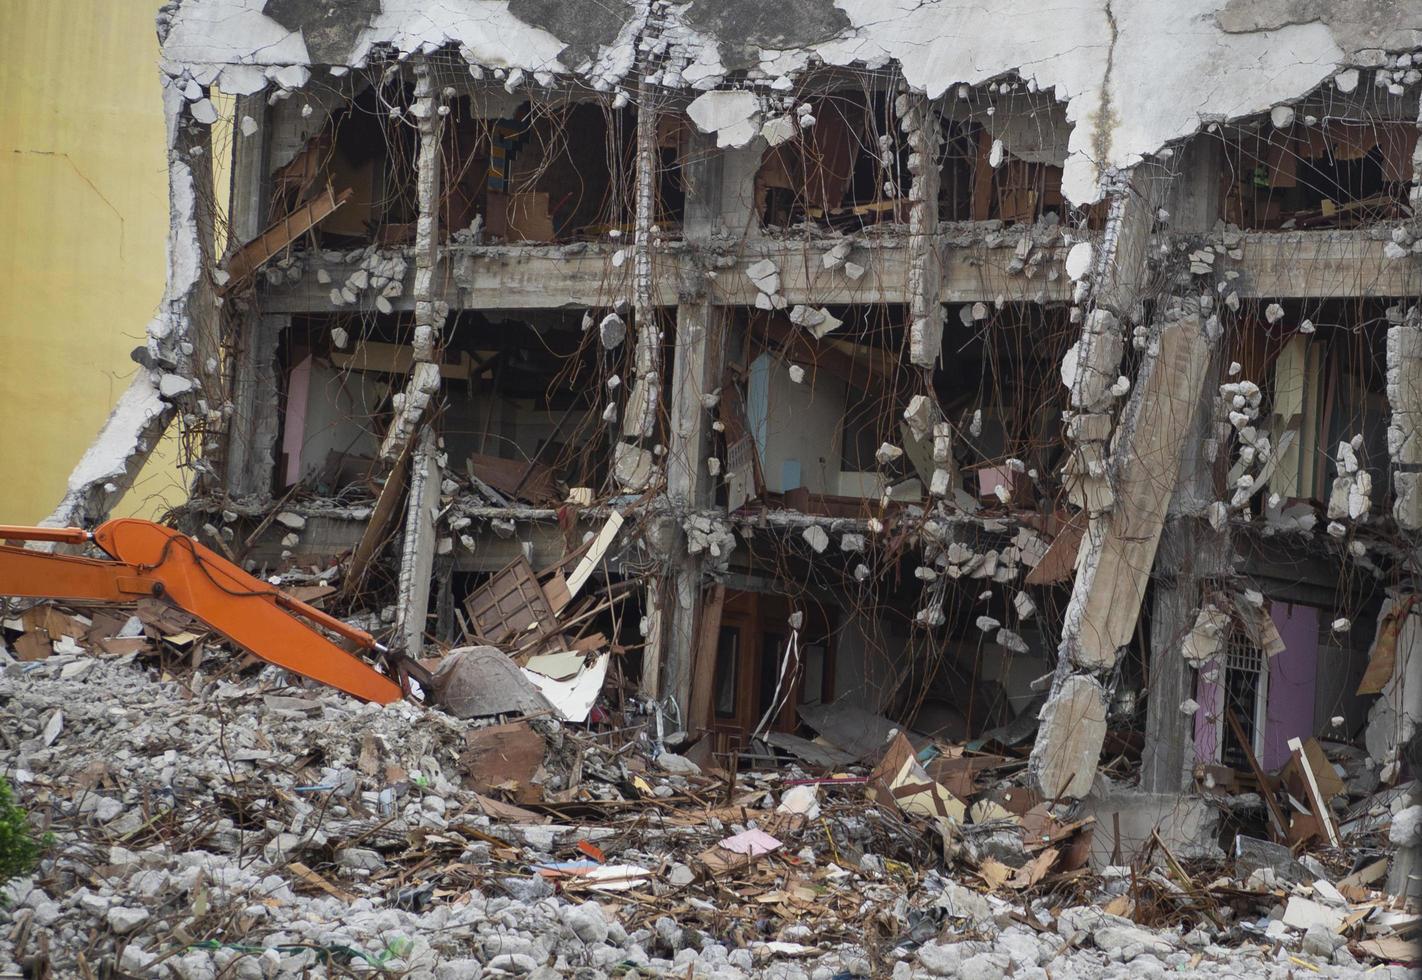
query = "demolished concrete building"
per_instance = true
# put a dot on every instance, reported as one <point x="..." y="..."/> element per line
<point x="996" y="369"/>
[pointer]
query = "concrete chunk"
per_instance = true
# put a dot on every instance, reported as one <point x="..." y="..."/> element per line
<point x="1069" y="738"/>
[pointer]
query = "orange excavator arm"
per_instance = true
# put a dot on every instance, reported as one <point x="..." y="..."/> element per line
<point x="153" y="560"/>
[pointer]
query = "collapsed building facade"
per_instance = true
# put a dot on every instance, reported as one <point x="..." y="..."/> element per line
<point x="1027" y="377"/>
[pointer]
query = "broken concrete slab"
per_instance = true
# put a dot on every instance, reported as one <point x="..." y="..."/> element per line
<point x="1107" y="596"/>
<point x="1069" y="736"/>
<point x="1186" y="824"/>
<point x="478" y="682"/>
<point x="1252" y="854"/>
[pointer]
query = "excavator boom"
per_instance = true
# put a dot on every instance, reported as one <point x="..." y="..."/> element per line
<point x="153" y="560"/>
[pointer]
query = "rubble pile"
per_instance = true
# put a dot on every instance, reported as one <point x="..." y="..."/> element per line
<point x="215" y="822"/>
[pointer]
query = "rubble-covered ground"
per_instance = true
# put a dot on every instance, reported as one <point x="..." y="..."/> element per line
<point x="217" y="824"/>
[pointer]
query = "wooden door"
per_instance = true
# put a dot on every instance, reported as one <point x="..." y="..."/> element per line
<point x="758" y="676"/>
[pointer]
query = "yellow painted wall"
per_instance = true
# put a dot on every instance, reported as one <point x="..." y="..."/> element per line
<point x="83" y="226"/>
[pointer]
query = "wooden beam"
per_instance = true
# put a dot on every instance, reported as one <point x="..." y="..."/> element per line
<point x="260" y="250"/>
<point x="826" y="356"/>
<point x="703" y="680"/>
<point x="1275" y="814"/>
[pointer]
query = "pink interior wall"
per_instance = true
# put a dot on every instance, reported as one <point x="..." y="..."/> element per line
<point x="1292" y="676"/>
<point x="294" y="425"/>
<point x="1208" y="697"/>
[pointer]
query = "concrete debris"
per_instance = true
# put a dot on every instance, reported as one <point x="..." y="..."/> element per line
<point x="359" y="798"/>
<point x="764" y="275"/>
<point x="1207" y="637"/>
<point x="1078" y="260"/>
<point x="612" y="331"/>
<point x="887" y="453"/>
<point x="1073" y="724"/>
<point x="633" y="466"/>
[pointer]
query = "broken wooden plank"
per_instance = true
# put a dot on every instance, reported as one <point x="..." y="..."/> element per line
<point x="1265" y="785"/>
<point x="703" y="678"/>
<point x="1330" y="784"/>
<point x="503" y="757"/>
<point x="555" y="590"/>
<point x="312" y="878"/>
<point x="1316" y="800"/>
<point x="34" y="645"/>
<point x="859" y="365"/>
<point x="377" y="530"/>
<point x="595" y="554"/>
<point x="1059" y="561"/>
<point x="532" y="482"/>
<point x="260" y="250"/>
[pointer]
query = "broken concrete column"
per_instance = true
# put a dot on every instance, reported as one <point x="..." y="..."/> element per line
<point x="254" y="423"/>
<point x="418" y="544"/>
<point x="1182" y="633"/>
<point x="1069" y="738"/>
<point x="662" y="610"/>
<point x="1404" y="430"/>
<point x="696" y="373"/>
<point x="410" y="422"/>
<point x="430" y="312"/>
<point x="919" y="122"/>
<point x="1120" y="544"/>
<point x="643" y="399"/>
<point x="178" y="363"/>
<point x="1146" y="462"/>
<point x="1125" y="496"/>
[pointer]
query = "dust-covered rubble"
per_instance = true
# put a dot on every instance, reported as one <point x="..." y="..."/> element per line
<point x="238" y="827"/>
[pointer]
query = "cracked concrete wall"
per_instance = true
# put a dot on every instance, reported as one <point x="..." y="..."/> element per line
<point x="1134" y="74"/>
<point x="177" y="358"/>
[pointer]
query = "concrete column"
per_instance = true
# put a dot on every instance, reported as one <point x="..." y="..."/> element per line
<point x="1124" y="497"/>
<point x="249" y="200"/>
<point x="1118" y="261"/>
<point x="1191" y="553"/>
<point x="430" y="311"/>
<point x="919" y="122"/>
<point x="411" y="418"/>
<point x="1404" y="430"/>
<point x="1195" y="198"/>
<point x="700" y="335"/>
<point x="253" y="425"/>
<point x="735" y="202"/>
<point x="696" y="371"/>
<point x="417" y="551"/>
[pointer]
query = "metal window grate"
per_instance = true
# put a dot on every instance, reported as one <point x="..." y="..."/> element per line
<point x="1241" y="654"/>
<point x="1245" y="683"/>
